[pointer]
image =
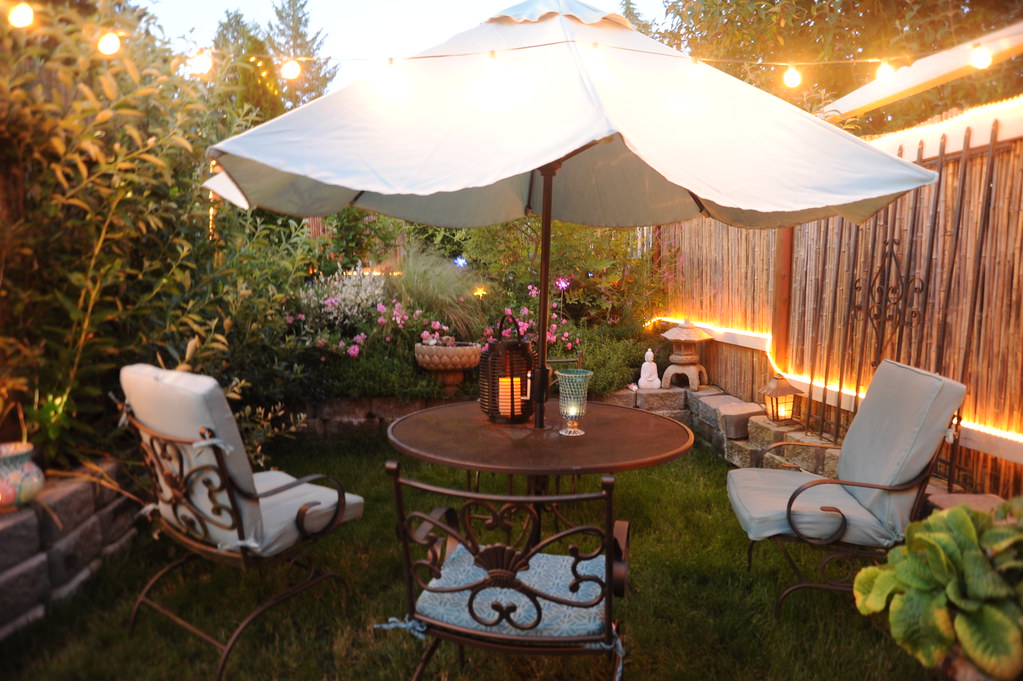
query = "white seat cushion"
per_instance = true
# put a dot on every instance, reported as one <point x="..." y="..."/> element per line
<point x="547" y="574"/>
<point x="898" y="428"/>
<point x="181" y="404"/>
<point x="280" y="510"/>
<point x="759" y="497"/>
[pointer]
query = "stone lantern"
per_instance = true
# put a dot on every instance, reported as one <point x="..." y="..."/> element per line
<point x="685" y="357"/>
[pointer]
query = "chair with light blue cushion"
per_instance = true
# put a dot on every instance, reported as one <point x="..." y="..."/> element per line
<point x="208" y="499"/>
<point x="497" y="572"/>
<point x="886" y="459"/>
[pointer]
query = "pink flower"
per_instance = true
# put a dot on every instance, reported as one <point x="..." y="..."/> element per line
<point x="301" y="316"/>
<point x="381" y="307"/>
<point x="568" y="346"/>
<point x="322" y="358"/>
<point x="524" y="312"/>
<point x="425" y="335"/>
<point x="290" y="319"/>
<point x="387" y="339"/>
<point x="381" y="321"/>
<point x="321" y="343"/>
<point x="360" y="339"/>
<point x="554" y="304"/>
<point x="507" y="311"/>
<point x="506" y="333"/>
<point x="353" y="350"/>
<point x="435" y="326"/>
<point x="341" y="345"/>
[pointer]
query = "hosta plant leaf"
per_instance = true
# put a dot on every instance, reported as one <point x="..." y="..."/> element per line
<point x="957" y="594"/>
<point x="873" y="587"/>
<point x="922" y="625"/>
<point x="982" y="581"/>
<point x="941" y="553"/>
<point x="914" y="573"/>
<point x="992" y="641"/>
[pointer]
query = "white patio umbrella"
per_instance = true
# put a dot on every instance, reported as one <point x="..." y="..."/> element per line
<point x="554" y="106"/>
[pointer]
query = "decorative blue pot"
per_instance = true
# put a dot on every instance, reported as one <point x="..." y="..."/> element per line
<point x="20" y="478"/>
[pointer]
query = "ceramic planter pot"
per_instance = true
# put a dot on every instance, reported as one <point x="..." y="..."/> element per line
<point x="448" y="361"/>
<point x="20" y="478"/>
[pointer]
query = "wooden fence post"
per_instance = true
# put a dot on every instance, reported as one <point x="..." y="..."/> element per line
<point x="782" y="296"/>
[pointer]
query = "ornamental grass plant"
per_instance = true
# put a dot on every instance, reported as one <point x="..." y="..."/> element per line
<point x="693" y="612"/>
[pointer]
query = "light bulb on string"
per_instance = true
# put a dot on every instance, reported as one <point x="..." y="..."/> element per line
<point x="109" y="44"/>
<point x="21" y="15"/>
<point x="200" y="64"/>
<point x="792" y="77"/>
<point x="291" y="70"/>
<point x="980" y="57"/>
<point x="885" y="70"/>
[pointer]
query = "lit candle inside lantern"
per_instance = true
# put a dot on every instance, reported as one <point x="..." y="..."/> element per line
<point x="508" y="396"/>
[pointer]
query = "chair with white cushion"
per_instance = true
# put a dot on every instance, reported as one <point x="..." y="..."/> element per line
<point x="886" y="459"/>
<point x="492" y="571"/>
<point x="209" y="500"/>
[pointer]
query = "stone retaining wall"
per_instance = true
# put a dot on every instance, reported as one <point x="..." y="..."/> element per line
<point x="50" y="547"/>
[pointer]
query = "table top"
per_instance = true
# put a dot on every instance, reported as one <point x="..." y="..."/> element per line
<point x="616" y="439"/>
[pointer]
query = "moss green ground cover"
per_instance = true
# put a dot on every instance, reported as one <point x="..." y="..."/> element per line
<point x="694" y="612"/>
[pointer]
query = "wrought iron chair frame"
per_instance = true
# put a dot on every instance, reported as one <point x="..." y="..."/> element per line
<point x="439" y="532"/>
<point x="177" y="489"/>
<point x="848" y="557"/>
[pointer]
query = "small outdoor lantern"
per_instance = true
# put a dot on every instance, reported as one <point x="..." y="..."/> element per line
<point x="685" y="357"/>
<point x="505" y="371"/>
<point x="779" y="398"/>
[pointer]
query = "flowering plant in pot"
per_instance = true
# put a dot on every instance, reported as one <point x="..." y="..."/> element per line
<point x="445" y="356"/>
<point x="955" y="589"/>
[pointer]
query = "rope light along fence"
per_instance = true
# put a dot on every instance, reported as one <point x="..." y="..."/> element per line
<point x="935" y="280"/>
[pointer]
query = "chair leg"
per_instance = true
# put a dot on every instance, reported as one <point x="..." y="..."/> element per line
<point x="143" y="596"/>
<point x="425" y="659"/>
<point x="312" y="580"/>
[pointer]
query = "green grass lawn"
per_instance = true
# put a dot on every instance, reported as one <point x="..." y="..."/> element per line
<point x="694" y="612"/>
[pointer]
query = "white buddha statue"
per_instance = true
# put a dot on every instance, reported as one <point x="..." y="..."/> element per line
<point x="648" y="373"/>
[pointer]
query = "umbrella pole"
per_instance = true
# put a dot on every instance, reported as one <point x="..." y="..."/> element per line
<point x="540" y="374"/>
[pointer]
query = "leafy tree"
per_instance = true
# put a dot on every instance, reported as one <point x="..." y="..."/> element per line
<point x="289" y="37"/>
<point x="629" y="11"/>
<point x="745" y="36"/>
<point x="246" y="74"/>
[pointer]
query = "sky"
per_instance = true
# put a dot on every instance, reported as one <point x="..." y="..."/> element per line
<point x="357" y="33"/>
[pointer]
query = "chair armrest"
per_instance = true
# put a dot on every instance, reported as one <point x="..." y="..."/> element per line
<point x="758" y="459"/>
<point x="837" y="535"/>
<point x="423" y="531"/>
<point x="304" y="509"/>
<point x="620" y="559"/>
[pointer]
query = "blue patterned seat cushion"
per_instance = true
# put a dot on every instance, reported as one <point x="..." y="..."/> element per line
<point x="550" y="574"/>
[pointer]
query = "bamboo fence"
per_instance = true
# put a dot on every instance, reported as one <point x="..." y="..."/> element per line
<point x="934" y="281"/>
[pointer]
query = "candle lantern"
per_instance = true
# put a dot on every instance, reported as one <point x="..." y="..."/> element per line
<point x="505" y="370"/>
<point x="779" y="398"/>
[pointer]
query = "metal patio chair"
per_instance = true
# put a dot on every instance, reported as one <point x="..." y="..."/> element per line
<point x="887" y="457"/>
<point x="479" y="572"/>
<point x="208" y="499"/>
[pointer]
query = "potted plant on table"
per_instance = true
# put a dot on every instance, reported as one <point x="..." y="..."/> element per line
<point x="954" y="591"/>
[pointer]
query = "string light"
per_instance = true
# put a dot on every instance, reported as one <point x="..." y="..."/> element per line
<point x="109" y="44"/>
<point x="21" y="15"/>
<point x="885" y="71"/>
<point x="980" y="57"/>
<point x="291" y="70"/>
<point x="792" y="77"/>
<point x="200" y="64"/>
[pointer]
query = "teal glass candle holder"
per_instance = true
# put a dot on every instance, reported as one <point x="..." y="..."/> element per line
<point x="572" y="387"/>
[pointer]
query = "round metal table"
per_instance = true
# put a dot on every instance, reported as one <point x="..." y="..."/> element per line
<point x="616" y="439"/>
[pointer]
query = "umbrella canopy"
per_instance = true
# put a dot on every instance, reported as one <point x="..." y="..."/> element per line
<point x="471" y="132"/>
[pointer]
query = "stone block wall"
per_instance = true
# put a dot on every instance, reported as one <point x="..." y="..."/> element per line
<point x="739" y="430"/>
<point x="50" y="548"/>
